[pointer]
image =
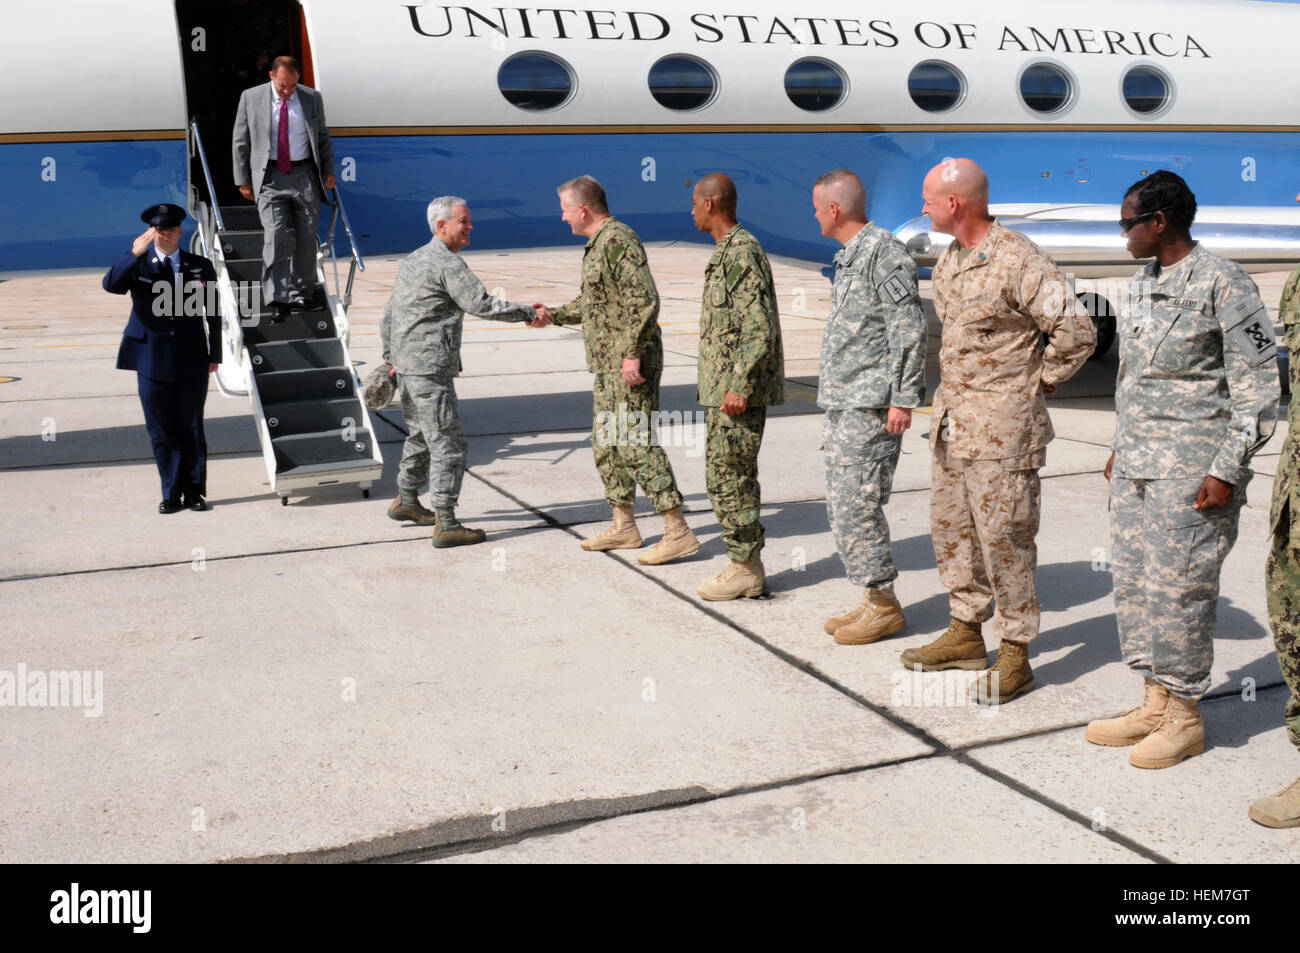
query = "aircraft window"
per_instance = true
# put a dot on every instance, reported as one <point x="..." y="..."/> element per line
<point x="936" y="87"/>
<point x="535" y="81"/>
<point x="1046" y="88"/>
<point x="1146" y="90"/>
<point x="682" y="82"/>
<point x="814" y="84"/>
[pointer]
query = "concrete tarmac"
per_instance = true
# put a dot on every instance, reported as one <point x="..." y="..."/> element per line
<point x="316" y="682"/>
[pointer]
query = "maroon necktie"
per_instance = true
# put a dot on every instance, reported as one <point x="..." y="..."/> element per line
<point x="282" y="139"/>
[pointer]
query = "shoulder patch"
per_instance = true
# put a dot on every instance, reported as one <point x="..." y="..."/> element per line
<point x="894" y="284"/>
<point x="1254" y="336"/>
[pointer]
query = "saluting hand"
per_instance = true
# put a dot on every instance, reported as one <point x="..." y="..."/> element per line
<point x="141" y="244"/>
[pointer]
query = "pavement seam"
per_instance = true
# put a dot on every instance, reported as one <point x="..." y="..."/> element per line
<point x="897" y="721"/>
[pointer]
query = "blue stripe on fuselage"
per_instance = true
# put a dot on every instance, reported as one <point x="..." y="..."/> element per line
<point x="85" y="216"/>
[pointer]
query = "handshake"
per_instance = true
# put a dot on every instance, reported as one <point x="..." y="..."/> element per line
<point x="544" y="317"/>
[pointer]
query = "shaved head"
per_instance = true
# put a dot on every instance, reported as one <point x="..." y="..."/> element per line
<point x="961" y="178"/>
<point x="844" y="189"/>
<point x="720" y="190"/>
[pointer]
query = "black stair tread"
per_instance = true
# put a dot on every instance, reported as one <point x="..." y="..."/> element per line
<point x="240" y="216"/>
<point x="269" y="357"/>
<point x="298" y="326"/>
<point x="307" y="469"/>
<point x="336" y="434"/>
<point x="316" y="447"/>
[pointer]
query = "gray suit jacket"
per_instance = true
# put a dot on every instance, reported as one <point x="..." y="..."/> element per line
<point x="252" y="134"/>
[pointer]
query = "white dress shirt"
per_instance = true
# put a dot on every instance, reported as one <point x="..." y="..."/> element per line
<point x="299" y="146"/>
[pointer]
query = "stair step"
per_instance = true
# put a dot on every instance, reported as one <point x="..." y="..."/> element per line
<point x="244" y="269"/>
<point x="241" y="218"/>
<point x="313" y="416"/>
<point x="318" y="323"/>
<point x="296" y="355"/>
<point x="321" y="447"/>
<point x="326" y="383"/>
<point x="240" y="244"/>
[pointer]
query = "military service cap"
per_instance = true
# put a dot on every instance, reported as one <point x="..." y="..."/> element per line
<point x="163" y="215"/>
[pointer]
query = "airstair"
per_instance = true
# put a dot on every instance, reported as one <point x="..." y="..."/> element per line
<point x="296" y="374"/>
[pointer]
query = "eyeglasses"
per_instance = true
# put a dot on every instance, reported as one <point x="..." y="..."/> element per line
<point x="1126" y="223"/>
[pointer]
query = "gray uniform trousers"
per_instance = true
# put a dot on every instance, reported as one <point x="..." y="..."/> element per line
<point x="435" y="443"/>
<point x="289" y="207"/>
<point x="861" y="456"/>
<point x="1165" y="563"/>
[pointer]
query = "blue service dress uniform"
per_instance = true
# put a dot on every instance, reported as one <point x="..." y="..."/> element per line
<point x="170" y="351"/>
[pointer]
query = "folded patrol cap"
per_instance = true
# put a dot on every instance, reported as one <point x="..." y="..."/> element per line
<point x="164" y="215"/>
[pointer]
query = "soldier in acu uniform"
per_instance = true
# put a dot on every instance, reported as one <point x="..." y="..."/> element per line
<point x="1282" y="569"/>
<point x="741" y="374"/>
<point x="996" y="294"/>
<point x="421" y="331"/>
<point x="872" y="375"/>
<point x="1196" y="396"/>
<point x="618" y="309"/>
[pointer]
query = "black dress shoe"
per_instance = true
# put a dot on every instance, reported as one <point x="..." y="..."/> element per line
<point x="167" y="507"/>
<point x="195" y="502"/>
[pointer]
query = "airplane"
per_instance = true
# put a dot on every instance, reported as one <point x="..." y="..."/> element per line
<point x="112" y="106"/>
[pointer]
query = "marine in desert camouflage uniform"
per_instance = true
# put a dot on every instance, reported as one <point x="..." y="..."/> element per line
<point x="741" y="374"/>
<point x="872" y="375"/>
<point x="1195" y="396"/>
<point x="997" y="294"/>
<point x="618" y="308"/>
<point x="1282" y="568"/>
<point x="421" y="333"/>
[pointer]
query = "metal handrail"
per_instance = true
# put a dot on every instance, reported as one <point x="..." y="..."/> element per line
<point x="337" y="213"/>
<point x="207" y="175"/>
<point x="347" y="227"/>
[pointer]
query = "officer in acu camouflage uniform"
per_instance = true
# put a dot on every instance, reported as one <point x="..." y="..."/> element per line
<point x="1282" y="570"/>
<point x="1195" y="397"/>
<point x="421" y="331"/>
<point x="872" y="375"/>
<point x="618" y="309"/>
<point x="996" y="294"/>
<point x="741" y="374"/>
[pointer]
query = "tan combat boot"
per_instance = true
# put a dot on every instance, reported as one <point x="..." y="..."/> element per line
<point x="1009" y="677"/>
<point x="622" y="533"/>
<point x="678" y="541"/>
<point x="1181" y="734"/>
<point x="840" y="621"/>
<point x="738" y="579"/>
<point x="1135" y="724"/>
<point x="451" y="532"/>
<point x="412" y="512"/>
<point x="880" y="616"/>
<point x="961" y="646"/>
<point x="1279" y="810"/>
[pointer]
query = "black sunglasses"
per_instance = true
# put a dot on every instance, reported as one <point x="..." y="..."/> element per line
<point x="1126" y="223"/>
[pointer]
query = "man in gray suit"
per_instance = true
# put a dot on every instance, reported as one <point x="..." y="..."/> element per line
<point x="284" y="160"/>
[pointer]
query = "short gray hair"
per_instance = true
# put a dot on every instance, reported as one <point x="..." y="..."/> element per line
<point x="584" y="190"/>
<point x="440" y="210"/>
<point x="843" y="188"/>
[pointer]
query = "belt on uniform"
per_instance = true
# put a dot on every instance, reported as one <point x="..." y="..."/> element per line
<point x="270" y="166"/>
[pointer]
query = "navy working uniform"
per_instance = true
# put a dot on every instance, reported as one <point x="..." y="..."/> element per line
<point x="170" y="349"/>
